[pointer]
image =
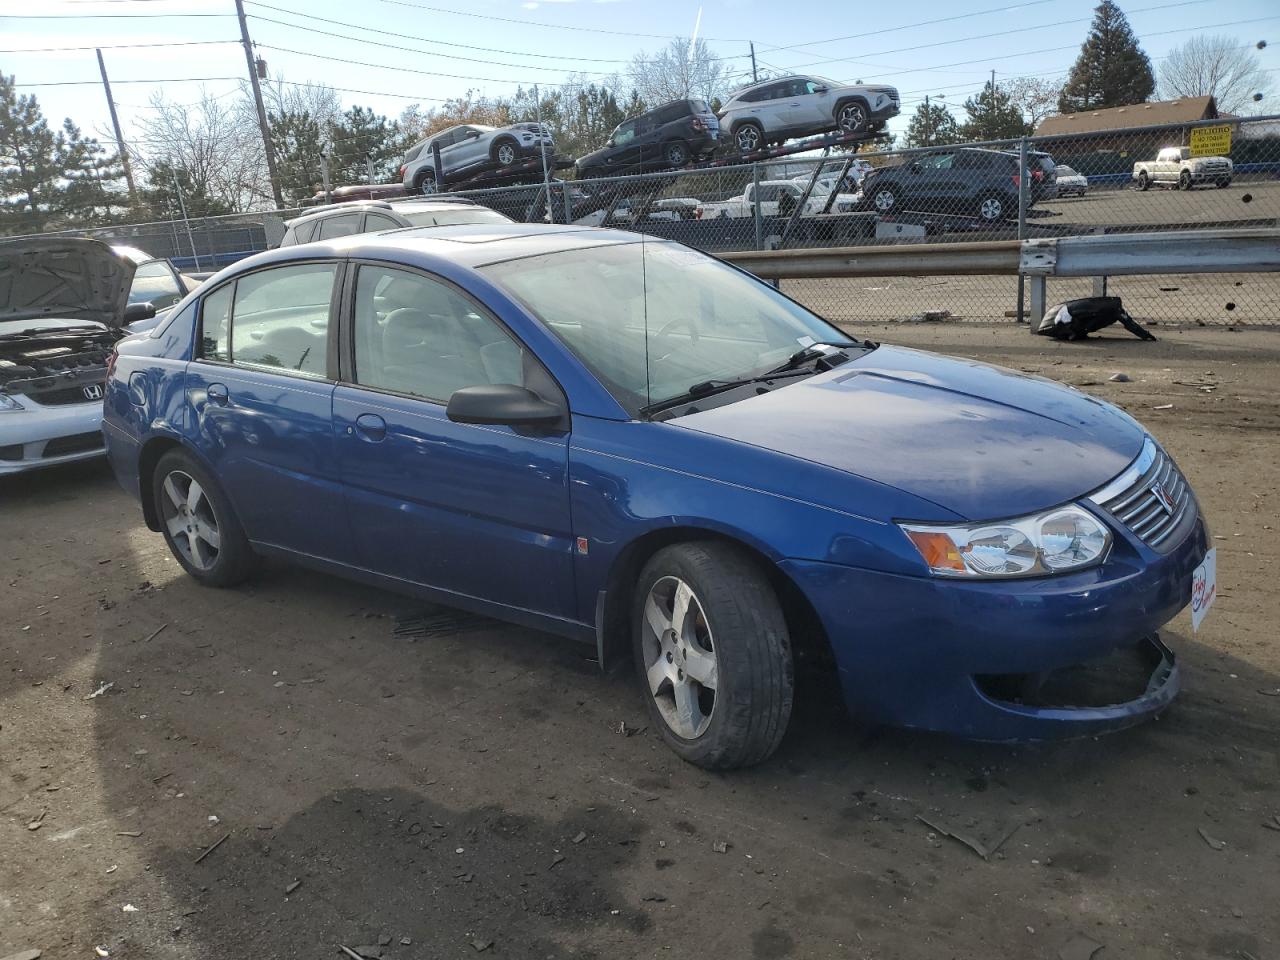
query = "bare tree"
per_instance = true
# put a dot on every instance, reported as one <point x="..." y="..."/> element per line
<point x="1218" y="66"/>
<point x="1036" y="97"/>
<point x="209" y="141"/>
<point x="683" y="68"/>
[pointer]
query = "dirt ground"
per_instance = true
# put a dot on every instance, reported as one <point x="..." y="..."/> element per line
<point x="471" y="794"/>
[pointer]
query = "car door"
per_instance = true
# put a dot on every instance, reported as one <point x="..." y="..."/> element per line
<point x="626" y="148"/>
<point x="469" y="148"/>
<point x="931" y="180"/>
<point x="260" y="390"/>
<point x="476" y="510"/>
<point x="816" y="110"/>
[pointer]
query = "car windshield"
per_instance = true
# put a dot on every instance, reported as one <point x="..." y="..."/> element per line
<point x="449" y="217"/>
<point x="652" y="319"/>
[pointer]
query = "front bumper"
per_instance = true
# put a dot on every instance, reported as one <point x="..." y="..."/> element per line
<point x="46" y="436"/>
<point x="920" y="651"/>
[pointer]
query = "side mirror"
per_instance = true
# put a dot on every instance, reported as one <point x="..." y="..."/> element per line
<point x="823" y="89"/>
<point x="501" y="403"/>
<point x="139" y="311"/>
<point x="610" y="143"/>
<point x="915" y="168"/>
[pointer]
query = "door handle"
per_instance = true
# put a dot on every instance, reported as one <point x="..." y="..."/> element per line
<point x="371" y="427"/>
<point x="217" y="393"/>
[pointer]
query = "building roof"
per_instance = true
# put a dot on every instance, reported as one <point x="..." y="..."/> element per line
<point x="1138" y="115"/>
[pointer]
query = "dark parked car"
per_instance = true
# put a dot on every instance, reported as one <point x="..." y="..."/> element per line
<point x="368" y="216"/>
<point x="668" y="136"/>
<point x="967" y="181"/>
<point x="626" y="441"/>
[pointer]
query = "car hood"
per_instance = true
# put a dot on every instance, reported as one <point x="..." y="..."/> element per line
<point x="64" y="278"/>
<point x="980" y="441"/>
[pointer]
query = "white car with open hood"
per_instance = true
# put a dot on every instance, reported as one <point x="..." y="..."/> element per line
<point x="64" y="303"/>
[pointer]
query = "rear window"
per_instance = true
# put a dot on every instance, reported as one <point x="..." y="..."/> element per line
<point x="448" y="218"/>
<point x="303" y="232"/>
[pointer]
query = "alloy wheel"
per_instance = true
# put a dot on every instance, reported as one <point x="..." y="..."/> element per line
<point x="190" y="520"/>
<point x="884" y="200"/>
<point x="680" y="657"/>
<point x="748" y="137"/>
<point x="506" y="154"/>
<point x="852" y="119"/>
<point x="677" y="155"/>
<point x="991" y="209"/>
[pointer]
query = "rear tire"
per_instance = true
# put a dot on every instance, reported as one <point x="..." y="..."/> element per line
<point x="885" y="200"/>
<point x="198" y="523"/>
<point x="719" y="679"/>
<point x="425" y="182"/>
<point x="675" y="153"/>
<point x="749" y="136"/>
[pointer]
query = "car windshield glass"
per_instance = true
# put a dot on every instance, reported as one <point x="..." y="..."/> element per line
<point x="651" y="319"/>
<point x="451" y="217"/>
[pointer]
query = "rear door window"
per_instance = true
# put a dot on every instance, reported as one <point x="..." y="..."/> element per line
<point x="378" y="221"/>
<point x="215" y="327"/>
<point x="339" y="226"/>
<point x="280" y="318"/>
<point x="303" y="232"/>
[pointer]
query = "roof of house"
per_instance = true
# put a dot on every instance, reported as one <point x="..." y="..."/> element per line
<point x="1138" y="115"/>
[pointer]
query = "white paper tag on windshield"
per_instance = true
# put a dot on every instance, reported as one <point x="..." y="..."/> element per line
<point x="806" y="341"/>
<point x="1204" y="587"/>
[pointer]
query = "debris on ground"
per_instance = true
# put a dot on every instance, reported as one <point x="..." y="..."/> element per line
<point x="1079" y="947"/>
<point x="216" y="844"/>
<point x="481" y="945"/>
<point x="1216" y="844"/>
<point x="155" y="633"/>
<point x="23" y="955"/>
<point x="1163" y="406"/>
<point x="101" y="690"/>
<point x="582" y="835"/>
<point x="654" y="898"/>
<point x="720" y="846"/>
<point x="1119" y="378"/>
<point x="435" y="623"/>
<point x="129" y="908"/>
<point x="930" y="316"/>
<point x="35" y="823"/>
<point x="128" y="833"/>
<point x="627" y="731"/>
<point x="558" y="858"/>
<point x="292" y="887"/>
<point x="986" y="852"/>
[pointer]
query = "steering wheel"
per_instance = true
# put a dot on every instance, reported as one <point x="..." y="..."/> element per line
<point x="665" y="331"/>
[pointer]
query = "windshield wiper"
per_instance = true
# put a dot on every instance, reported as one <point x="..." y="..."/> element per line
<point x="811" y="352"/>
<point x="709" y="388"/>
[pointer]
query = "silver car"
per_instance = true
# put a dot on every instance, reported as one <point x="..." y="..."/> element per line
<point x="470" y="148"/>
<point x="791" y="107"/>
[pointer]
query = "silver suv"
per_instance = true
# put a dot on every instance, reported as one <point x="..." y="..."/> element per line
<point x="369" y="216"/>
<point x="778" y="110"/>
<point x="469" y="147"/>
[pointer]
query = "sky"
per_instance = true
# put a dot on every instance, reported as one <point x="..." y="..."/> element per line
<point x="943" y="48"/>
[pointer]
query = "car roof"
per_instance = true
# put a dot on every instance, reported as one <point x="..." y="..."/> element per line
<point x="470" y="245"/>
<point x="382" y="206"/>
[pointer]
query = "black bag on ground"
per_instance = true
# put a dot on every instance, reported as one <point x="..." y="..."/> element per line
<point x="1076" y="319"/>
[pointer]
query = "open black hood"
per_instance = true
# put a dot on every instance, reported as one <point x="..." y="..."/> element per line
<point x="63" y="278"/>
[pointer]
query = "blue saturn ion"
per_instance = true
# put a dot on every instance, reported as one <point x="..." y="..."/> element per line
<point x="634" y="444"/>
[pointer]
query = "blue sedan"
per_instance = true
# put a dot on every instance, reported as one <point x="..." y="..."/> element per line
<point x="634" y="444"/>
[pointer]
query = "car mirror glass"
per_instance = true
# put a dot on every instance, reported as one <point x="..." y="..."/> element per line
<point x="139" y="311"/>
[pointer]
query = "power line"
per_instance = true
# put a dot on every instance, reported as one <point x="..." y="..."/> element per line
<point x="434" y="53"/>
<point x="408" y="36"/>
<point x="117" y="46"/>
<point x="108" y="16"/>
<point x="81" y="83"/>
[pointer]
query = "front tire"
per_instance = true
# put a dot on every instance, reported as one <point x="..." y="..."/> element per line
<point x="425" y="182"/>
<point x="885" y="200"/>
<point x="1184" y="180"/>
<point x="993" y="208"/>
<point x="851" y="117"/>
<point x="198" y="523"/>
<point x="713" y="654"/>
<point x="505" y="153"/>
<point x="1144" y="182"/>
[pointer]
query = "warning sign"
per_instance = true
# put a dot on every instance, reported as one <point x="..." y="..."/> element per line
<point x="1211" y="141"/>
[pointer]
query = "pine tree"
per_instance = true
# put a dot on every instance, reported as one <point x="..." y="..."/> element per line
<point x="931" y="125"/>
<point x="361" y="135"/>
<point x="1112" y="70"/>
<point x="298" y="142"/>
<point x="164" y="179"/>
<point x="992" y="116"/>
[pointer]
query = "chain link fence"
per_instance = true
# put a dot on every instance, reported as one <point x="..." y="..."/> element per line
<point x="1211" y="174"/>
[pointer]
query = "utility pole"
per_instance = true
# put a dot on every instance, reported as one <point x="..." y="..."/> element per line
<point x="115" y="125"/>
<point x="262" y="111"/>
<point x="546" y="171"/>
<point x="928" y="139"/>
<point x="991" y="117"/>
<point x="754" y="76"/>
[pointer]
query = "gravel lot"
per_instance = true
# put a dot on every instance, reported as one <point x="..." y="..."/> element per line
<point x="472" y="792"/>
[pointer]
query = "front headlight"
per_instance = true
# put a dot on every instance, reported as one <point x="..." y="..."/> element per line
<point x="9" y="405"/>
<point x="1066" y="538"/>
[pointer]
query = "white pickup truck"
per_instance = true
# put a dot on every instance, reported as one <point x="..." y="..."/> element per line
<point x="1174" y="166"/>
<point x="778" y="198"/>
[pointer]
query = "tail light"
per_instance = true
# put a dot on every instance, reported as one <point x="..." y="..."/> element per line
<point x="1037" y="175"/>
<point x="697" y="124"/>
<point x="697" y="214"/>
<point x="403" y="169"/>
<point x="1017" y="180"/>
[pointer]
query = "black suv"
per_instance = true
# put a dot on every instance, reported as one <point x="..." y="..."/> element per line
<point x="966" y="181"/>
<point x="667" y="136"/>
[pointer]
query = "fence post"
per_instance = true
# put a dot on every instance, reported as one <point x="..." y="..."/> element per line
<point x="755" y="205"/>
<point x="1024" y="175"/>
<point x="568" y="201"/>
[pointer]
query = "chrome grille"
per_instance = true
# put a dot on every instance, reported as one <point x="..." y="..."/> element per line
<point x="1152" y="498"/>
